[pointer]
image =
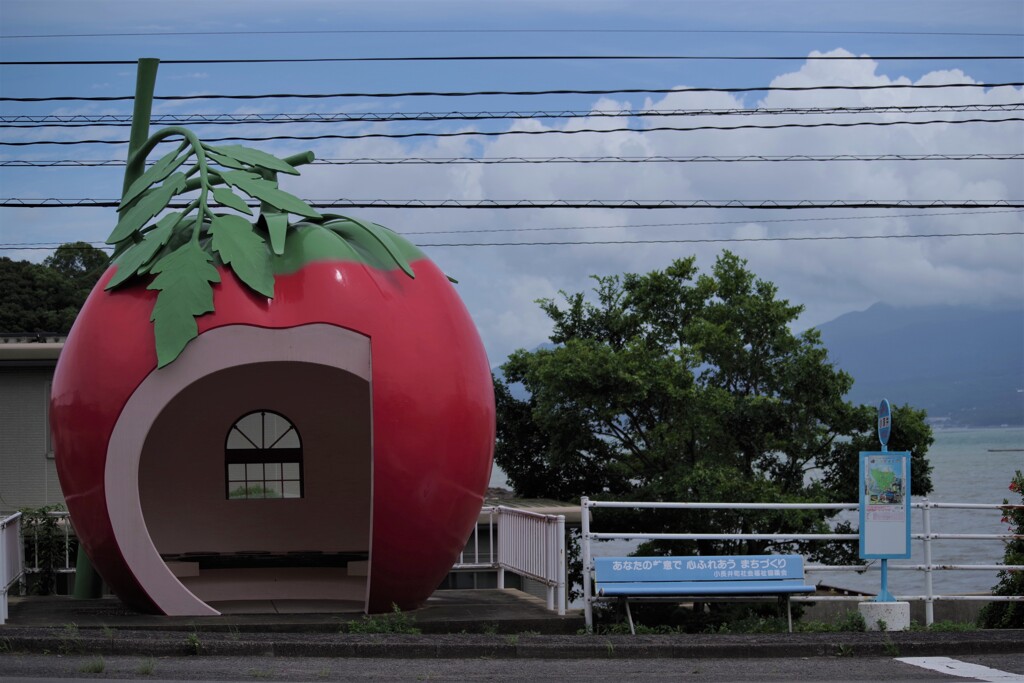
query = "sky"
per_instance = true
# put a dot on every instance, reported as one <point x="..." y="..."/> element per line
<point x="501" y="283"/>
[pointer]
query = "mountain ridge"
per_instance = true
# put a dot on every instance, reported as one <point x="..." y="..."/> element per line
<point x="962" y="364"/>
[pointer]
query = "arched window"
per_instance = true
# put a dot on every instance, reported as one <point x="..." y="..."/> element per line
<point x="263" y="457"/>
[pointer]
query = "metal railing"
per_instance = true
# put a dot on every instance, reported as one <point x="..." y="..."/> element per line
<point x="39" y="560"/>
<point x="12" y="558"/>
<point x="926" y="536"/>
<point x="528" y="543"/>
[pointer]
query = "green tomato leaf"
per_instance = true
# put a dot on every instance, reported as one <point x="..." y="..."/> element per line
<point x="277" y="226"/>
<point x="380" y="235"/>
<point x="151" y="203"/>
<point x="267" y="191"/>
<point x="254" y="157"/>
<point x="183" y="279"/>
<point x="137" y="256"/>
<point x="245" y="251"/>
<point x="223" y="160"/>
<point x="231" y="200"/>
<point x="155" y="174"/>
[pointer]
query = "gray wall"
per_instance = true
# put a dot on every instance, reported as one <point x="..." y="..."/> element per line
<point x="28" y="477"/>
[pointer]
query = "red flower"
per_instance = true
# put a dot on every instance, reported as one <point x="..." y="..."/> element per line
<point x="1013" y="486"/>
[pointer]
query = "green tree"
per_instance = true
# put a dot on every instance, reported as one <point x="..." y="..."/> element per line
<point x="80" y="263"/>
<point x="680" y="386"/>
<point x="46" y="298"/>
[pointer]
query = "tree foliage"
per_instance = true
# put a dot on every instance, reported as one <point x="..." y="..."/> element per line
<point x="46" y="297"/>
<point x="681" y="386"/>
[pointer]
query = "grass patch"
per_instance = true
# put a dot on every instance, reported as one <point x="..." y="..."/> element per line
<point x="193" y="644"/>
<point x="96" y="665"/>
<point x="146" y="667"/>
<point x="945" y="627"/>
<point x="396" y="622"/>
<point x="70" y="641"/>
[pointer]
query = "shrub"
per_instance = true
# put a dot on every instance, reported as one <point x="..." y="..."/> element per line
<point x="1009" y="614"/>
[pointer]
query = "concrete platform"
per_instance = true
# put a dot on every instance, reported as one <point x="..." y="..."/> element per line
<point x="446" y="611"/>
<point x="455" y="624"/>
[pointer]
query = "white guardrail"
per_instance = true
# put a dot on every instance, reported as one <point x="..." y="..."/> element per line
<point x="12" y="558"/>
<point x="527" y="543"/>
<point x="927" y="536"/>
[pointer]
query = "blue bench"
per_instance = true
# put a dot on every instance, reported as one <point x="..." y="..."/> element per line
<point x="733" y="577"/>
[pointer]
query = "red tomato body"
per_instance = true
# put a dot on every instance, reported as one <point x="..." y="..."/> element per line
<point x="432" y="402"/>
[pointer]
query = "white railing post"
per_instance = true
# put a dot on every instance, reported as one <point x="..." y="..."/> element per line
<point x="12" y="558"/>
<point x="492" y="553"/>
<point x="588" y="608"/>
<point x="929" y="605"/>
<point x="560" y="571"/>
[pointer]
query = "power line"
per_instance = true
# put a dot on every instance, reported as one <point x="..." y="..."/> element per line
<point x="646" y="204"/>
<point x="509" y="30"/>
<point x="709" y="240"/>
<point x="125" y="120"/>
<point x="720" y="240"/>
<point x="552" y="131"/>
<point x="704" y="158"/>
<point x="520" y="58"/>
<point x="823" y="219"/>
<point x="616" y="91"/>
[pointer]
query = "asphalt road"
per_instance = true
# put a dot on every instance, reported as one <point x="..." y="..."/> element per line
<point x="34" y="668"/>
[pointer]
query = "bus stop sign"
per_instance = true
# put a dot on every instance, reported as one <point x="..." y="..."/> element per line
<point x="884" y="422"/>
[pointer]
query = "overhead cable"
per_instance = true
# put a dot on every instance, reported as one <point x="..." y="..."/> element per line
<point x="644" y="204"/>
<point x="125" y="120"/>
<point x="550" y="131"/>
<point x="477" y="93"/>
<point x="609" y="159"/>
<point x="718" y="240"/>
<point x="691" y="240"/>
<point x="820" y="219"/>
<point x="518" y="58"/>
<point x="508" y="30"/>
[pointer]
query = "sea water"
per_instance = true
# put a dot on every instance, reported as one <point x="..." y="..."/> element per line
<point x="968" y="466"/>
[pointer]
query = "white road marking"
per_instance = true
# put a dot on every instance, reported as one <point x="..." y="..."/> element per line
<point x="954" y="667"/>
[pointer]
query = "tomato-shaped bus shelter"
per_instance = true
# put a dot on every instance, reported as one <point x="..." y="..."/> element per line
<point x="330" y="444"/>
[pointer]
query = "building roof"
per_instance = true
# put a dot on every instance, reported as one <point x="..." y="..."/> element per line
<point x="29" y="353"/>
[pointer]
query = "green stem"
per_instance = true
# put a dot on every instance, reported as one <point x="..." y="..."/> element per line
<point x="203" y="181"/>
<point x="145" y="83"/>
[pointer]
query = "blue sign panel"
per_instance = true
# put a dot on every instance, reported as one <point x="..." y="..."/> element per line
<point x="884" y="422"/>
<point x="884" y="505"/>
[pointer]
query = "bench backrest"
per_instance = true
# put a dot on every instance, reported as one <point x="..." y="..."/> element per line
<point x="699" y="568"/>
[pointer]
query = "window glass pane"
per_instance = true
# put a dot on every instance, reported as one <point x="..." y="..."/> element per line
<point x="251" y="426"/>
<point x="236" y="472"/>
<point x="237" y="492"/>
<point x="236" y="440"/>
<point x="289" y="440"/>
<point x="291" y="489"/>
<point x="272" y="470"/>
<point x="291" y="470"/>
<point x="272" y="489"/>
<point x="273" y="427"/>
<point x="254" y="471"/>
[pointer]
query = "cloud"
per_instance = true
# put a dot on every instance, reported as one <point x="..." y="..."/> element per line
<point x="829" y="277"/>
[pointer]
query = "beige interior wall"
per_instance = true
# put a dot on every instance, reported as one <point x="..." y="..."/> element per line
<point x="182" y="474"/>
